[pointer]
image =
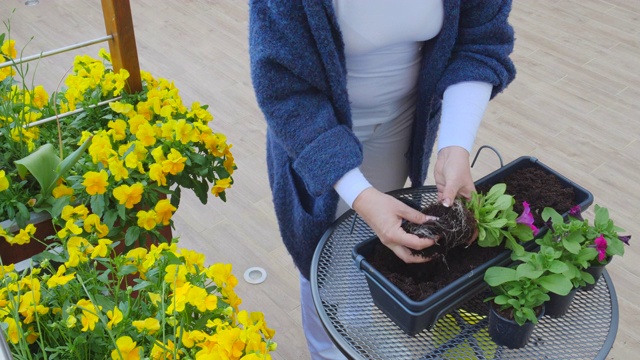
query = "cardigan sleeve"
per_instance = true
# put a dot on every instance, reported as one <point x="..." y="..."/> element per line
<point x="481" y="52"/>
<point x="292" y="88"/>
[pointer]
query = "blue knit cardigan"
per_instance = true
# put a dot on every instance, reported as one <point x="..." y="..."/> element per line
<point x="299" y="76"/>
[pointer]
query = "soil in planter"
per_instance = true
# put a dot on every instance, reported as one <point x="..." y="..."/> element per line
<point x="419" y="281"/>
<point x="540" y="189"/>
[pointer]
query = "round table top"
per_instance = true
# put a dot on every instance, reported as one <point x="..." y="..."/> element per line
<point x="362" y="331"/>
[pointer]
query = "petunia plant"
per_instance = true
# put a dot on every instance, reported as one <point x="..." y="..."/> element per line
<point x="86" y="301"/>
<point x="497" y="222"/>
<point x="126" y="156"/>
<point x="582" y="243"/>
<point x="520" y="292"/>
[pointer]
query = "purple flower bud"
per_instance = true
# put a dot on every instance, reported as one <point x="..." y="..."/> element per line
<point x="625" y="239"/>
<point x="576" y="212"/>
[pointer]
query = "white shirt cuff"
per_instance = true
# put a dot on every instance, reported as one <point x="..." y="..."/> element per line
<point x="351" y="185"/>
<point x="463" y="106"/>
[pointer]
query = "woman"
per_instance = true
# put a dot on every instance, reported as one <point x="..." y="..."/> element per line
<point x="353" y="92"/>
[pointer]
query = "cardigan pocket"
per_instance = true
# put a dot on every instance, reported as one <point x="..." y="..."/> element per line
<point x="305" y="199"/>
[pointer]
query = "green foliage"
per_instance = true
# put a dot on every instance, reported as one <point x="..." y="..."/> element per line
<point x="525" y="288"/>
<point x="565" y="251"/>
<point x="575" y="240"/>
<point x="496" y="219"/>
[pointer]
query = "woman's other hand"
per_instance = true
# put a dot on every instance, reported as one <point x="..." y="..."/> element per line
<point x="452" y="174"/>
<point x="384" y="214"/>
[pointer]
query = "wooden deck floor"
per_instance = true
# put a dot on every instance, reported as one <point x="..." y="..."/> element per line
<point x="574" y="105"/>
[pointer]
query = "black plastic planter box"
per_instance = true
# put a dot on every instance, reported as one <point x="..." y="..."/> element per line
<point x="414" y="316"/>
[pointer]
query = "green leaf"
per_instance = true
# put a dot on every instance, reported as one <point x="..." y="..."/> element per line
<point x="556" y="283"/>
<point x="602" y="216"/>
<point x="571" y="245"/>
<point x="97" y="204"/>
<point x="142" y="285"/>
<point x="127" y="269"/>
<point x="497" y="223"/>
<point x="551" y="213"/>
<point x="558" y="267"/>
<point x="498" y="275"/>
<point x="528" y="271"/>
<point x="132" y="234"/>
<point x="503" y="202"/>
<point x="496" y="191"/>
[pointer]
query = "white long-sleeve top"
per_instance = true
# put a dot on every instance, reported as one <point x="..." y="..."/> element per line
<point x="383" y="40"/>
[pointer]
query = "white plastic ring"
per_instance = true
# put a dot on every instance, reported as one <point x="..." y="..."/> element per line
<point x="255" y="275"/>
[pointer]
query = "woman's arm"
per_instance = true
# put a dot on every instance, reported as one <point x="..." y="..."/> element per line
<point x="292" y="87"/>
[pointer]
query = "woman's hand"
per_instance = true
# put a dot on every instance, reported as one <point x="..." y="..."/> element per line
<point x="384" y="214"/>
<point x="452" y="174"/>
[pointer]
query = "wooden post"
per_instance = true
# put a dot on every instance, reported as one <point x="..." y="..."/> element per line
<point x="119" y="23"/>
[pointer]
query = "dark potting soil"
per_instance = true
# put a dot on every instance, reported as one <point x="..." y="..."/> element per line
<point x="418" y="281"/>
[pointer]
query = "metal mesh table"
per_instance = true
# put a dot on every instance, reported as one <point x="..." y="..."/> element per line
<point x="362" y="331"/>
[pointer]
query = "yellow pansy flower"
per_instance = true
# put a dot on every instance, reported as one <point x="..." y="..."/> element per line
<point x="23" y="237"/>
<point x="121" y="108"/>
<point x="62" y="190"/>
<point x="221" y="274"/>
<point x="126" y="349"/>
<point x="150" y="325"/>
<point x="102" y="249"/>
<point x="100" y="148"/>
<point x="115" y="317"/>
<point x="9" y="48"/>
<point x="146" y="134"/>
<point x="174" y="163"/>
<point x="129" y="195"/>
<point x="32" y="335"/>
<point x="89" y="317"/>
<point x="96" y="182"/>
<point x="135" y="122"/>
<point x="185" y="132"/>
<point x="117" y="168"/>
<point x="164" y="211"/>
<point x="4" y="181"/>
<point x="176" y="275"/>
<point x="92" y="224"/>
<point x="69" y="227"/>
<point x="40" y="97"/>
<point x="157" y="174"/>
<point x="156" y="299"/>
<point x="5" y="269"/>
<point x="60" y="278"/>
<point x="74" y="213"/>
<point x="161" y="351"/>
<point x="221" y="185"/>
<point x="146" y="219"/>
<point x="13" y="333"/>
<point x="178" y="299"/>
<point x="118" y="129"/>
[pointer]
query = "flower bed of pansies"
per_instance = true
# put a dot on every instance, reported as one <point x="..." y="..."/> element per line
<point x="87" y="301"/>
<point x="119" y="159"/>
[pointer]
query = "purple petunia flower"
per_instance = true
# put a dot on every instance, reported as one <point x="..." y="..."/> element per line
<point x="601" y="246"/>
<point x="527" y="218"/>
<point x="625" y="239"/>
<point x="576" y="212"/>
